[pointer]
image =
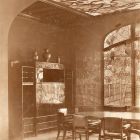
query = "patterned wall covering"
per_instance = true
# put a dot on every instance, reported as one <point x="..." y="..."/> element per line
<point x="88" y="81"/>
<point x="100" y="7"/>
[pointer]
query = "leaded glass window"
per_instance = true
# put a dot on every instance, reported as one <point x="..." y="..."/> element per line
<point x="122" y="67"/>
<point x="117" y="75"/>
<point x="117" y="36"/>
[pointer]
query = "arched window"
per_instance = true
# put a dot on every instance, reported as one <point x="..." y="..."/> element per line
<point x="122" y="66"/>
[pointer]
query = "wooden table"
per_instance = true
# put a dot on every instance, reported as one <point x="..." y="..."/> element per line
<point x="102" y="114"/>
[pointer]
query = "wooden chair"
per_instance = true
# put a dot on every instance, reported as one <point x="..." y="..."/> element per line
<point x="63" y="125"/>
<point x="135" y="128"/>
<point x="113" y="128"/>
<point x="94" y="124"/>
<point x="135" y="131"/>
<point x="82" y="126"/>
<point x="135" y="124"/>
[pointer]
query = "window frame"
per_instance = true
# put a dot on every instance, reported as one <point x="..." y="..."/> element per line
<point x="131" y="40"/>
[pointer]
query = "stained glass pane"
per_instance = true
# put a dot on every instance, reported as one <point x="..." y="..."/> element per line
<point x="117" y="76"/>
<point x="116" y="36"/>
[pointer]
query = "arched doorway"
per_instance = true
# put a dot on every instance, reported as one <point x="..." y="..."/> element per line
<point x="35" y="29"/>
<point x="9" y="10"/>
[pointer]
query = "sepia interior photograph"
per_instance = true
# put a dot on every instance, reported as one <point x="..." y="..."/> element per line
<point x="70" y="70"/>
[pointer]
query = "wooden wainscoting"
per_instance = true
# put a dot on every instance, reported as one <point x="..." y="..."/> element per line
<point x="33" y="126"/>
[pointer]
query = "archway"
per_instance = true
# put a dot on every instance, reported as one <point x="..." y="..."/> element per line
<point x="42" y="25"/>
<point x="9" y="10"/>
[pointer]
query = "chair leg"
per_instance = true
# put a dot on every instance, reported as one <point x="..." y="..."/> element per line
<point x="129" y="137"/>
<point x="72" y="135"/>
<point x="80" y="137"/>
<point x="87" y="136"/>
<point x="100" y="137"/>
<point x="58" y="133"/>
<point x="105" y="138"/>
<point x="64" y="134"/>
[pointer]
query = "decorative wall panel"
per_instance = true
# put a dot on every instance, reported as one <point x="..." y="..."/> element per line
<point x="49" y="65"/>
<point x="88" y="81"/>
<point x="50" y="93"/>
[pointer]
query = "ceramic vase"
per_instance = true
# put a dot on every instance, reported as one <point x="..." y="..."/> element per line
<point x="46" y="55"/>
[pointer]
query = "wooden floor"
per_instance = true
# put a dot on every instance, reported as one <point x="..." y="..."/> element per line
<point x="52" y="136"/>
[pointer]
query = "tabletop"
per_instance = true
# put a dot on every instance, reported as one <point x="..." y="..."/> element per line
<point x="102" y="114"/>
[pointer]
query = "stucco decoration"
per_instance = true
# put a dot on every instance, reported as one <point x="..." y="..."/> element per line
<point x="100" y="7"/>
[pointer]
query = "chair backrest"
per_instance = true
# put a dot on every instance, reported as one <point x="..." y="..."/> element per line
<point x="80" y="121"/>
<point x="112" y="124"/>
<point x="115" y="108"/>
<point x="60" y="118"/>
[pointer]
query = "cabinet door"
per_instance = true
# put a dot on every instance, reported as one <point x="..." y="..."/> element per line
<point x="28" y="91"/>
<point x="28" y="100"/>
